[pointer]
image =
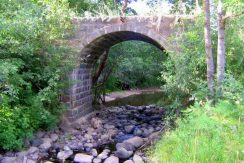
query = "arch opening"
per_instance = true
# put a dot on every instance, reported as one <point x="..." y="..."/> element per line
<point x="80" y="95"/>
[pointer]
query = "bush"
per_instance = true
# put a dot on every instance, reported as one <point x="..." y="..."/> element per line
<point x="32" y="59"/>
<point x="206" y="134"/>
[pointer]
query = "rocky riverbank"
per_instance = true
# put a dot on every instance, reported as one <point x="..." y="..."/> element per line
<point x="113" y="135"/>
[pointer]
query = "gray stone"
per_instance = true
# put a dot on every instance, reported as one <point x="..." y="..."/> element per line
<point x="54" y="137"/>
<point x="32" y="150"/>
<point x="9" y="160"/>
<point x="126" y="145"/>
<point x="135" y="141"/>
<point x="128" y="161"/>
<point x="123" y="153"/>
<point x="97" y="160"/>
<point x="129" y="129"/>
<point x="94" y="152"/>
<point x="103" y="155"/>
<point x="30" y="161"/>
<point x="63" y="155"/>
<point x="96" y="123"/>
<point x="108" y="126"/>
<point x="137" y="132"/>
<point x="137" y="159"/>
<point x="83" y="158"/>
<point x="36" y="142"/>
<point x="46" y="144"/>
<point x="112" y="159"/>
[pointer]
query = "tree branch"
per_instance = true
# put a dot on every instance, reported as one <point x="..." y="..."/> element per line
<point x="233" y="15"/>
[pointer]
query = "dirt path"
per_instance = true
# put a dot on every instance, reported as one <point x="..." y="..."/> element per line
<point x="122" y="94"/>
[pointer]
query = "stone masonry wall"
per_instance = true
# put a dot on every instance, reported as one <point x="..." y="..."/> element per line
<point x="78" y="99"/>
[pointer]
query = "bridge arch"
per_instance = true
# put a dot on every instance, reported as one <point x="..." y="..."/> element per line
<point x="95" y="36"/>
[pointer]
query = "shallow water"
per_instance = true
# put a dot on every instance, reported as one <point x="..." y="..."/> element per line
<point x="147" y="98"/>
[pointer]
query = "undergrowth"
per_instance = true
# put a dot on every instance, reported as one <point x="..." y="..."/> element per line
<point x="204" y="134"/>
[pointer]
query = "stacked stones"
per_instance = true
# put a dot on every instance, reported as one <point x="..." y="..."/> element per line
<point x="113" y="135"/>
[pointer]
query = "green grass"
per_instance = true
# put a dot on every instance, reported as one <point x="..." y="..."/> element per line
<point x="206" y="135"/>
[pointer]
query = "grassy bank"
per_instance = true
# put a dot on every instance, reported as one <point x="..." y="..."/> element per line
<point x="205" y="134"/>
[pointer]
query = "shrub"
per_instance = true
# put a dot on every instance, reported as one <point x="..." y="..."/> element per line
<point x="32" y="59"/>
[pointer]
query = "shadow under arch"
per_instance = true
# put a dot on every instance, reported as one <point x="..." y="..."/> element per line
<point x="92" y="51"/>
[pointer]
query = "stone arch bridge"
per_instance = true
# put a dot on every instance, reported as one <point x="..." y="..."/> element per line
<point x="95" y="35"/>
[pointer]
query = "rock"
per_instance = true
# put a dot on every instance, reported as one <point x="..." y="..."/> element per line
<point x="94" y="152"/>
<point x="9" y="160"/>
<point x="105" y="137"/>
<point x="21" y="154"/>
<point x="40" y="134"/>
<point x="103" y="155"/>
<point x="54" y="137"/>
<point x="129" y="129"/>
<point x="88" y="145"/>
<point x="32" y="150"/>
<point x="123" y="153"/>
<point x="126" y="145"/>
<point x="96" y="123"/>
<point x="30" y="161"/>
<point x="137" y="159"/>
<point x="108" y="126"/>
<point x="88" y="136"/>
<point x="36" y="142"/>
<point x="137" y="132"/>
<point x="112" y="159"/>
<point x="97" y="160"/>
<point x="135" y="141"/>
<point x="129" y="161"/>
<point x="83" y="158"/>
<point x="46" y="144"/>
<point x="63" y="155"/>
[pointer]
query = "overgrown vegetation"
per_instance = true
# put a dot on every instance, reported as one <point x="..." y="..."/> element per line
<point x="205" y="134"/>
<point x="33" y="59"/>
<point x="127" y="63"/>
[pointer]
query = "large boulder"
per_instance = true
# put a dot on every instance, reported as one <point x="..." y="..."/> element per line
<point x="83" y="158"/>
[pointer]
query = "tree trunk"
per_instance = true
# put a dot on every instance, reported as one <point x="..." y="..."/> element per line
<point x="208" y="49"/>
<point x="221" y="49"/>
<point x="100" y="67"/>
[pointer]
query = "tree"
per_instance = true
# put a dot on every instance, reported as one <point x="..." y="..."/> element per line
<point x="221" y="45"/>
<point x="208" y="49"/>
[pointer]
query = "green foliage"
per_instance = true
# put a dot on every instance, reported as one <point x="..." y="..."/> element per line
<point x="205" y="134"/>
<point x="32" y="59"/>
<point x="184" y="71"/>
<point x="135" y="63"/>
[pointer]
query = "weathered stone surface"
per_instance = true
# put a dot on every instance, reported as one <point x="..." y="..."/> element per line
<point x="36" y="142"/>
<point x="123" y="153"/>
<point x="54" y="137"/>
<point x="137" y="159"/>
<point x="32" y="150"/>
<point x="83" y="158"/>
<point x="129" y="129"/>
<point x="97" y="160"/>
<point x="112" y="159"/>
<point x="63" y="155"/>
<point x="9" y="160"/>
<point x="126" y="145"/>
<point x="135" y="141"/>
<point x="128" y="161"/>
